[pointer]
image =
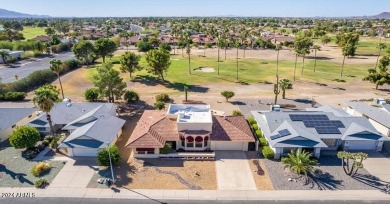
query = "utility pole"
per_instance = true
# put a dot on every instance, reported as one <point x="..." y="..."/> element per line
<point x="112" y="171"/>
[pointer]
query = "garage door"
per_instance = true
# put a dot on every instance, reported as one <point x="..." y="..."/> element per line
<point x="85" y="152"/>
<point x="362" y="145"/>
<point x="229" y="146"/>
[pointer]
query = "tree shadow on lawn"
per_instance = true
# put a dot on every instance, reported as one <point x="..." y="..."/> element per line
<point x="319" y="58"/>
<point x="153" y="81"/>
<point x="371" y="180"/>
<point x="19" y="176"/>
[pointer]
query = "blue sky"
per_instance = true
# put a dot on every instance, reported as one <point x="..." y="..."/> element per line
<point x="124" y="8"/>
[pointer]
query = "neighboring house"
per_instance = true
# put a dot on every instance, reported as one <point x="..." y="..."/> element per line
<point x="378" y="115"/>
<point x="190" y="128"/>
<point x="42" y="38"/>
<point x="316" y="130"/>
<point x="13" y="54"/>
<point x="89" y="127"/>
<point x="12" y="117"/>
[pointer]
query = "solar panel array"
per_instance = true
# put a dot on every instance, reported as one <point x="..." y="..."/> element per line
<point x="282" y="133"/>
<point x="321" y="123"/>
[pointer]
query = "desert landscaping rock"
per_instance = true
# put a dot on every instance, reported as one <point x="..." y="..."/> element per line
<point x="332" y="177"/>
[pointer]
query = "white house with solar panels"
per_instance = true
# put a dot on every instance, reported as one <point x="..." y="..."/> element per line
<point x="316" y="130"/>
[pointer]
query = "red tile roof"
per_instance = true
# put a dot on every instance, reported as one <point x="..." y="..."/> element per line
<point x="155" y="128"/>
<point x="231" y="128"/>
<point x="152" y="130"/>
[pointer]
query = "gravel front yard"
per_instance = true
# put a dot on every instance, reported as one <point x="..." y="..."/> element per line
<point x="12" y="164"/>
<point x="260" y="175"/>
<point x="331" y="178"/>
<point x="171" y="174"/>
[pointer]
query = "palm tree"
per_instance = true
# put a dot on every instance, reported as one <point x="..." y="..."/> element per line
<point x="237" y="45"/>
<point x="299" y="162"/>
<point x="316" y="48"/>
<point x="380" y="46"/>
<point x="285" y="84"/>
<point x="125" y="35"/>
<point x="4" y="55"/>
<point x="188" y="51"/>
<point x="278" y="48"/>
<point x="56" y="67"/>
<point x="45" y="98"/>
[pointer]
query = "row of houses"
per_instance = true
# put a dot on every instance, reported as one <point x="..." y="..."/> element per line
<point x="197" y="128"/>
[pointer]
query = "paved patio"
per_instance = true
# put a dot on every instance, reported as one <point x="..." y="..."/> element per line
<point x="75" y="174"/>
<point x="233" y="171"/>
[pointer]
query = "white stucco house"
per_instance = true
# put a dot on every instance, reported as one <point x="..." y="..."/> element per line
<point x="190" y="128"/>
<point x="12" y="116"/>
<point x="317" y="129"/>
<point x="88" y="127"/>
<point x="378" y="115"/>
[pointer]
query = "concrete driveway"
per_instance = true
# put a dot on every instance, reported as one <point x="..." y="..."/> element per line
<point x="75" y="174"/>
<point x="233" y="171"/>
<point x="378" y="165"/>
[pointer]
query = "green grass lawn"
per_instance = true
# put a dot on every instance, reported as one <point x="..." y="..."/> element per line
<point x="250" y="71"/>
<point x="32" y="32"/>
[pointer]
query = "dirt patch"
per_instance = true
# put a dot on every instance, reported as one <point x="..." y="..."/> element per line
<point x="135" y="175"/>
<point x="259" y="172"/>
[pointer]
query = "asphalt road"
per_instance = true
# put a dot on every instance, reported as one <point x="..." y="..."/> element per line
<point x="119" y="201"/>
<point x="24" y="68"/>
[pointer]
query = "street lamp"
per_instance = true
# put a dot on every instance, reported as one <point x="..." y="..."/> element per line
<point x="112" y="171"/>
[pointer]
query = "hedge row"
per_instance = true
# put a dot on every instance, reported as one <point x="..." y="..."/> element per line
<point x="39" y="78"/>
<point x="13" y="96"/>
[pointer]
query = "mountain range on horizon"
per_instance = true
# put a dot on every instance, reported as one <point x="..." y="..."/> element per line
<point x="13" y="14"/>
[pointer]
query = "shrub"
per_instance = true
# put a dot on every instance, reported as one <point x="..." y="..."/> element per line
<point x="255" y="126"/>
<point x="40" y="168"/>
<point x="131" y="96"/>
<point x="13" y="96"/>
<point x="267" y="152"/>
<point x="104" y="159"/>
<point x="54" y="142"/>
<point x="167" y="148"/>
<point x="263" y="142"/>
<point x="252" y="120"/>
<point x="163" y="98"/>
<point x="159" y="105"/>
<point x="70" y="65"/>
<point x="35" y="79"/>
<point x="24" y="137"/>
<point x="236" y="113"/>
<point x="91" y="94"/>
<point x="41" y="183"/>
<point x="227" y="94"/>
<point x="258" y="133"/>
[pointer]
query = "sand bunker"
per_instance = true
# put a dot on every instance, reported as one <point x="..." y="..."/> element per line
<point x="204" y="69"/>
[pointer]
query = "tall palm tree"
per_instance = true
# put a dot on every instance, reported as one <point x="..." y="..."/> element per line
<point x="237" y="45"/>
<point x="316" y="48"/>
<point x="188" y="51"/>
<point x="299" y="162"/>
<point x="45" y="98"/>
<point x="4" y="55"/>
<point x="380" y="46"/>
<point x="56" y="67"/>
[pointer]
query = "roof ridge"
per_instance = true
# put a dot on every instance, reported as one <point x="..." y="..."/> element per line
<point x="234" y="125"/>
